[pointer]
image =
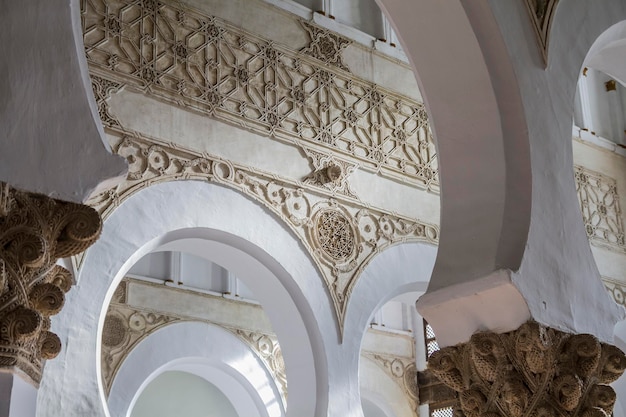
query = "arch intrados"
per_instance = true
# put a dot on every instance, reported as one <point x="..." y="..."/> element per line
<point x="215" y="376"/>
<point x="485" y="179"/>
<point x="608" y="52"/>
<point x="368" y="396"/>
<point x="283" y="299"/>
<point x="399" y="269"/>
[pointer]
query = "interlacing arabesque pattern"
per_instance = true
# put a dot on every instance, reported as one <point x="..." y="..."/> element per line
<point x="341" y="234"/>
<point x="402" y="370"/>
<point x="125" y="326"/>
<point x="599" y="203"/>
<point x="534" y="371"/>
<point x="203" y="63"/>
<point x="35" y="231"/>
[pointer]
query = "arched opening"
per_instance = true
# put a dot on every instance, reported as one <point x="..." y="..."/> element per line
<point x="388" y="327"/>
<point x="166" y="288"/>
<point x="599" y="136"/>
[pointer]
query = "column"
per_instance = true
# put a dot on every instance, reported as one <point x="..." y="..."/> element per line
<point x="35" y="231"/>
<point x="532" y="371"/>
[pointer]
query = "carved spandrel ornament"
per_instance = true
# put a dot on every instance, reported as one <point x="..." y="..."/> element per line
<point x="267" y="348"/>
<point x="340" y="232"/>
<point x="534" y="371"/>
<point x="124" y="327"/>
<point x="541" y="14"/>
<point x="35" y="231"/>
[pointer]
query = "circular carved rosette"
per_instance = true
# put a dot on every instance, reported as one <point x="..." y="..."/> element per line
<point x="297" y="207"/>
<point x="136" y="160"/>
<point x="114" y="332"/>
<point x="333" y="234"/>
<point x="410" y="381"/>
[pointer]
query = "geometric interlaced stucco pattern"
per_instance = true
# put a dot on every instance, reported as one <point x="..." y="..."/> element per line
<point x="599" y="204"/>
<point x="302" y="97"/>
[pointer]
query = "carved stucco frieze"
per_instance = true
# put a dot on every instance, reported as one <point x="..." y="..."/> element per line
<point x="325" y="45"/>
<point x="534" y="371"/>
<point x="402" y="370"/>
<point x="599" y="204"/>
<point x="125" y="326"/>
<point x="207" y="65"/>
<point x="35" y="231"/>
<point x="541" y="14"/>
<point x="341" y="234"/>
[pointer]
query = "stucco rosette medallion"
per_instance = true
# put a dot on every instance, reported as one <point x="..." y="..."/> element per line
<point x="333" y="233"/>
<point x="534" y="371"/>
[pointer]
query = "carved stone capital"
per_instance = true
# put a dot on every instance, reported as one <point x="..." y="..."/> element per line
<point x="533" y="371"/>
<point x="35" y="231"/>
